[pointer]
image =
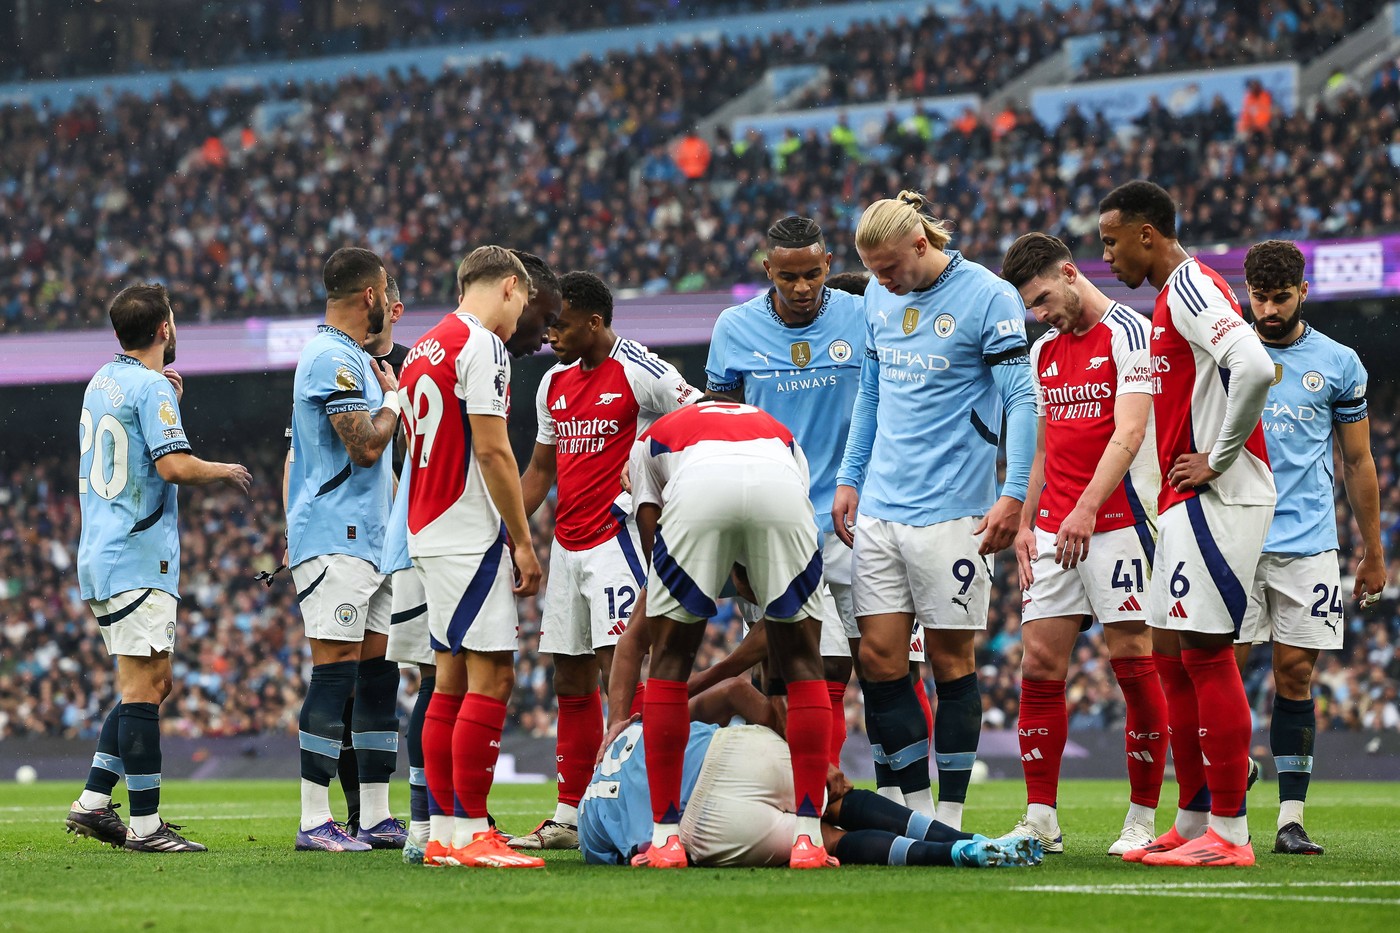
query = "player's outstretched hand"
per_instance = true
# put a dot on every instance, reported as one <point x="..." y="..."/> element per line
<point x="527" y="569"/>
<point x="385" y="374"/>
<point x="1026" y="553"/>
<point x="176" y="380"/>
<point x="999" y="526"/>
<point x="611" y="735"/>
<point x="1072" y="540"/>
<point x="1370" y="580"/>
<point x="843" y="514"/>
<point x="238" y="477"/>
<point x="1190" y="471"/>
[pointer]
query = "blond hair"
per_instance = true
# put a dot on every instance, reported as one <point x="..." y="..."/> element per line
<point x="894" y="218"/>
<point x="491" y="264"/>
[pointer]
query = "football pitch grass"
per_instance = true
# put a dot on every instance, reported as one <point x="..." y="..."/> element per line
<point x="252" y="880"/>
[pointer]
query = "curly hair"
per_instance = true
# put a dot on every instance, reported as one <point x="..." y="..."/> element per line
<point x="1274" y="265"/>
<point x="586" y="292"/>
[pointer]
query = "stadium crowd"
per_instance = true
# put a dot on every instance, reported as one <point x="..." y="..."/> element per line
<point x="585" y="169"/>
<point x="241" y="658"/>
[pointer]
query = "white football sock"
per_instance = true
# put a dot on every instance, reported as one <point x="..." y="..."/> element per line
<point x="374" y="804"/>
<point x="809" y="826"/>
<point x="949" y="814"/>
<point x="1233" y="829"/>
<point x="1289" y="811"/>
<point x="1190" y="823"/>
<point x="920" y="801"/>
<point x="440" y="829"/>
<point x="92" y="800"/>
<point x="660" y="832"/>
<point x="1140" y="814"/>
<point x="465" y="828"/>
<point x="315" y="804"/>
<point x="563" y="813"/>
<point x="145" y="825"/>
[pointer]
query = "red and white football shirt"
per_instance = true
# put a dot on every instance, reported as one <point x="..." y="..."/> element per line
<point x="459" y="368"/>
<point x="1195" y="321"/>
<point x="591" y="418"/>
<point x="1078" y="377"/>
<point x="705" y="432"/>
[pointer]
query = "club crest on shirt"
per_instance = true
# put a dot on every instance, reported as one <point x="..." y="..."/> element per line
<point x="167" y="413"/>
<point x="1313" y="381"/>
<point x="1278" y="375"/>
<point x="801" y="353"/>
<point x="345" y="380"/>
<point x="839" y="351"/>
<point x="943" y="325"/>
<point x="911" y="320"/>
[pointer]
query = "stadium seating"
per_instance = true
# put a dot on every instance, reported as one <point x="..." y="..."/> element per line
<point x="241" y="660"/>
<point x="549" y="158"/>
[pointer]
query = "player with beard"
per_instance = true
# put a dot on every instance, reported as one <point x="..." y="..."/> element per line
<point x="133" y="452"/>
<point x="591" y="407"/>
<point x="1318" y="399"/>
<point x="1085" y="546"/>
<point x="339" y="493"/>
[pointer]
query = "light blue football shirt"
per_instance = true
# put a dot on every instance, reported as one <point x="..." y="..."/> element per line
<point x="1317" y="382"/>
<point x="333" y="506"/>
<point x="615" y="813"/>
<point x="396" y="531"/>
<point x="805" y="376"/>
<point x="941" y="365"/>
<point x="130" y="538"/>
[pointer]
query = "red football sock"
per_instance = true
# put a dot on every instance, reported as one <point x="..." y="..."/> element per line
<point x="638" y="699"/>
<point x="438" y="723"/>
<point x="808" y="732"/>
<point x="665" y="731"/>
<point x="476" y="744"/>
<point x="1043" y="728"/>
<point x="1145" y="734"/>
<point x="1184" y="732"/>
<point x="921" y="694"/>
<point x="1225" y="725"/>
<point x="580" y="732"/>
<point x="836" y="694"/>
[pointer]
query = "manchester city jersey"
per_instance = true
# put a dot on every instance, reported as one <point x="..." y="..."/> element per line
<point x="130" y="536"/>
<point x="615" y="814"/>
<point x="929" y="361"/>
<point x="806" y="376"/>
<point x="334" y="506"/>
<point x="1317" y="381"/>
<point x="396" y="532"/>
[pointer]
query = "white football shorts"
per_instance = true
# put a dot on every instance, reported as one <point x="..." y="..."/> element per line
<point x="1296" y="601"/>
<point x="1109" y="584"/>
<point x="1207" y="553"/>
<point x="471" y="605"/>
<point x="933" y="572"/>
<point x="136" y="623"/>
<point x="342" y="597"/>
<point x="408" y="625"/>
<point x="590" y="594"/>
<point x="713" y="519"/>
<point x="741" y="811"/>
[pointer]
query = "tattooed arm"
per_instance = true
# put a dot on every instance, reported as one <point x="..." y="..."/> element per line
<point x="367" y="436"/>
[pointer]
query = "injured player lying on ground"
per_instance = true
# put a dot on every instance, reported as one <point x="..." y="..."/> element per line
<point x="737" y="795"/>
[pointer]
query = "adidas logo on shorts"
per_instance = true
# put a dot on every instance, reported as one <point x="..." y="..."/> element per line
<point x="618" y="628"/>
<point x="1130" y="605"/>
<point x="1178" y="611"/>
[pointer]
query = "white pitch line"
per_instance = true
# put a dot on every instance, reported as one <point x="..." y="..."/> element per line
<point x="1221" y="895"/>
<point x="1198" y="885"/>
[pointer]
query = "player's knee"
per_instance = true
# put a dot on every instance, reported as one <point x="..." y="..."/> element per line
<point x="1293" y="678"/>
<point x="836" y="670"/>
<point x="575" y="676"/>
<point x="879" y="665"/>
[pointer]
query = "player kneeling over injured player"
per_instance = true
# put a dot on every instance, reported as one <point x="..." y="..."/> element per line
<point x="714" y="484"/>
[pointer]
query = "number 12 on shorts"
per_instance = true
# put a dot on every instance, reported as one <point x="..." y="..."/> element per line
<point x="1125" y="581"/>
<point x="620" y="600"/>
